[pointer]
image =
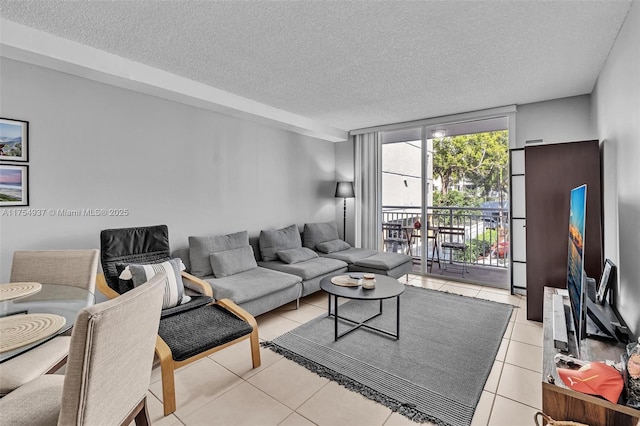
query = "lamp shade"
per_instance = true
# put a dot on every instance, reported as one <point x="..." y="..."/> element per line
<point x="345" y="190"/>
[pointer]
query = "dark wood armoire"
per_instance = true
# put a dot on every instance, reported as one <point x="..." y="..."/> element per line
<point x="551" y="171"/>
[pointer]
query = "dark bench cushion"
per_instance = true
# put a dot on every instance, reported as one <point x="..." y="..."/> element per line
<point x="198" y="330"/>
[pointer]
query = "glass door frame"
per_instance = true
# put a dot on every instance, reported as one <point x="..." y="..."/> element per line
<point x="426" y="129"/>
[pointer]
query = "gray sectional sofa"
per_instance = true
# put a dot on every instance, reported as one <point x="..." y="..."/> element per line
<point x="323" y="237"/>
<point x="237" y="276"/>
<point x="280" y="266"/>
<point x="281" y="250"/>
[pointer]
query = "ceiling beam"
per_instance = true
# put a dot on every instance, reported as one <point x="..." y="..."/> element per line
<point x="36" y="47"/>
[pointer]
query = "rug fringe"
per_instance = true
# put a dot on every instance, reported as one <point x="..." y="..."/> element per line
<point x="406" y="409"/>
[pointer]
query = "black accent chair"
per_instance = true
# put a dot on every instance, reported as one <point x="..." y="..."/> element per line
<point x="454" y="240"/>
<point x="187" y="332"/>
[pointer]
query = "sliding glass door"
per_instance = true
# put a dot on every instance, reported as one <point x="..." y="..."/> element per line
<point x="452" y="175"/>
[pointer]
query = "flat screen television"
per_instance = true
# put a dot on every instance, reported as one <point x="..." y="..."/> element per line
<point x="575" y="266"/>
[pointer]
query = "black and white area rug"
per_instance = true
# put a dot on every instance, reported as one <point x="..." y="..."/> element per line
<point x="436" y="370"/>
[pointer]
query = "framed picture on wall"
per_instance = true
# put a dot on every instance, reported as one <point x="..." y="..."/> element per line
<point x="14" y="140"/>
<point x="14" y="185"/>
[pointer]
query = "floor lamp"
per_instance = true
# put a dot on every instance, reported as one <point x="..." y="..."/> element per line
<point x="344" y="190"/>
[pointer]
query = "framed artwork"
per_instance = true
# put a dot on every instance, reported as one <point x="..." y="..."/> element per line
<point x="606" y="282"/>
<point x="14" y="185"/>
<point x="14" y="140"/>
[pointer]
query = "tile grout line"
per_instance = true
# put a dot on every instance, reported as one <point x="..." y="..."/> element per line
<point x="505" y="362"/>
<point x="271" y="397"/>
<point x="209" y="402"/>
<point x="493" y="403"/>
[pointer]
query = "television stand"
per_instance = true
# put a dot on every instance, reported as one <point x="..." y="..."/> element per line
<point x="562" y="403"/>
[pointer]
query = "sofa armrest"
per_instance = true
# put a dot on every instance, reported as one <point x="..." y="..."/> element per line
<point x="196" y="284"/>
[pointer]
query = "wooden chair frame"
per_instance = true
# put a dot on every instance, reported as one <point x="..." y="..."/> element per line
<point x="167" y="364"/>
<point x="139" y="415"/>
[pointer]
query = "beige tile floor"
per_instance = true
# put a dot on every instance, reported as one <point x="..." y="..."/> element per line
<point x="222" y="389"/>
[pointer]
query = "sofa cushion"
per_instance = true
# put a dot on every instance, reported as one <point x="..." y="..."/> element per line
<point x="308" y="269"/>
<point x="201" y="247"/>
<point x="173" y="287"/>
<point x="383" y="261"/>
<point x="332" y="246"/>
<point x="296" y="255"/>
<point x="274" y="240"/>
<point x="351" y="255"/>
<point x="397" y="272"/>
<point x="315" y="233"/>
<point x="229" y="262"/>
<point x="250" y="285"/>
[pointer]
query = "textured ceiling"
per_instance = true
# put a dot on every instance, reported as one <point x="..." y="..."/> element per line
<point x="354" y="64"/>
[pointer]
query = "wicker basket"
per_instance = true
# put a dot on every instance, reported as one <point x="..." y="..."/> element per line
<point x="547" y="420"/>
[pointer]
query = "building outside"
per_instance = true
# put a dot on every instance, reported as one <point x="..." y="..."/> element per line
<point x="402" y="174"/>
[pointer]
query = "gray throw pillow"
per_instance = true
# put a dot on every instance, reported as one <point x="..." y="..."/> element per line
<point x="296" y="255"/>
<point x="201" y="247"/>
<point x="332" y="246"/>
<point x="231" y="262"/>
<point x="315" y="233"/>
<point x="274" y="240"/>
<point x="173" y="287"/>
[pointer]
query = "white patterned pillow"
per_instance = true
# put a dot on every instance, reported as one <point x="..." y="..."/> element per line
<point x="173" y="287"/>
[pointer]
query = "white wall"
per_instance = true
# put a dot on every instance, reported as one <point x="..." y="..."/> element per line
<point x="96" y="146"/>
<point x="555" y="121"/>
<point x="616" y="106"/>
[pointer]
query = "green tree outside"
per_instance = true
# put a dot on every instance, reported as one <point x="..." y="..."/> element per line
<point x="479" y="158"/>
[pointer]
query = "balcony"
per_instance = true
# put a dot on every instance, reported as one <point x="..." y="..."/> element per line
<point x="484" y="231"/>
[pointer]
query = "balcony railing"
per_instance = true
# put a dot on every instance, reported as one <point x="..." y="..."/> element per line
<point x="486" y="232"/>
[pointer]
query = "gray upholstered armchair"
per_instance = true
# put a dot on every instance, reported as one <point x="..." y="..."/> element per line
<point x="189" y="330"/>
